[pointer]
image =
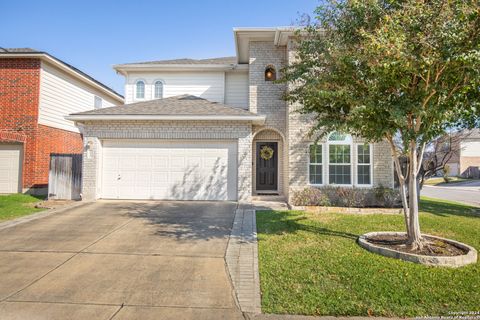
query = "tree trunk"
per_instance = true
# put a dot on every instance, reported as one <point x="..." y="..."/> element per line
<point x="401" y="181"/>
<point x="414" y="235"/>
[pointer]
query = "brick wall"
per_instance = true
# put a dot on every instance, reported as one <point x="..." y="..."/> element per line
<point x="95" y="131"/>
<point x="19" y="101"/>
<point x="298" y="127"/>
<point x="266" y="98"/>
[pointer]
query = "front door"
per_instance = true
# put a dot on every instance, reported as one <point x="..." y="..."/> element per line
<point x="267" y="166"/>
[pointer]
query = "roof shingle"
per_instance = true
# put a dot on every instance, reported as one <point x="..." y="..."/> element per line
<point x="187" y="61"/>
<point x="183" y="105"/>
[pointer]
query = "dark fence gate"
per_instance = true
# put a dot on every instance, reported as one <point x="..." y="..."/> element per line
<point x="65" y="176"/>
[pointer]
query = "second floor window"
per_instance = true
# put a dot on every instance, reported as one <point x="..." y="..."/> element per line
<point x="158" y="90"/>
<point x="97" y="102"/>
<point x="140" y="90"/>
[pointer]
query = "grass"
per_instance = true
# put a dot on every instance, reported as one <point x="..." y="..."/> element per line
<point x="16" y="205"/>
<point x="440" y="181"/>
<point x="311" y="264"/>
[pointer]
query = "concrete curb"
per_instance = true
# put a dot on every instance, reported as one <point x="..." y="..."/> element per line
<point x="242" y="260"/>
<point x="438" y="261"/>
<point x="40" y="215"/>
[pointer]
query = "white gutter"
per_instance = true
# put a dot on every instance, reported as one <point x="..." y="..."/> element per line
<point x="259" y="120"/>
<point x="65" y="68"/>
<point x="179" y="67"/>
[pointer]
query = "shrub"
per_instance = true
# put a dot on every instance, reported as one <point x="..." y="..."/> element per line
<point x="347" y="197"/>
<point x="310" y="197"/>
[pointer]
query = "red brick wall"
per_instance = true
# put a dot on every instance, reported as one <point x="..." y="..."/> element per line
<point x="19" y="101"/>
<point x="52" y="140"/>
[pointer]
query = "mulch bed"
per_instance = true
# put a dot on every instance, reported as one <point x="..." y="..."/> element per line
<point x="431" y="246"/>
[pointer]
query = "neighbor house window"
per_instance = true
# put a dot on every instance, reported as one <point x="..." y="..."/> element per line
<point x="270" y="74"/>
<point x="97" y="102"/>
<point x="364" y="167"/>
<point x="339" y="159"/>
<point x="315" y="166"/>
<point x="158" y="90"/>
<point x="140" y="90"/>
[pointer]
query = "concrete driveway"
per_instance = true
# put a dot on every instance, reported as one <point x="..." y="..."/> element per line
<point x="120" y="260"/>
<point x="467" y="192"/>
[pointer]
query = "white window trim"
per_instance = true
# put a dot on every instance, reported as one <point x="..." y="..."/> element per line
<point x="358" y="164"/>
<point x="95" y="99"/>
<point x="144" y="89"/>
<point x="163" y="88"/>
<point x="351" y="163"/>
<point x="322" y="145"/>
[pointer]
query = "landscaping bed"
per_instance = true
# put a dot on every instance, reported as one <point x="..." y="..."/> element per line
<point x="311" y="264"/>
<point x="432" y="246"/>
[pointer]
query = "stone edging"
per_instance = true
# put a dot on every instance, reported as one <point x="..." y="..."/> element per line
<point x="322" y="209"/>
<point x="242" y="260"/>
<point x="39" y="215"/>
<point x="440" y="261"/>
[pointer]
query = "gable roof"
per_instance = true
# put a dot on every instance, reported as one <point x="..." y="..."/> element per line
<point x="29" y="52"/>
<point x="183" y="107"/>
<point x="221" y="60"/>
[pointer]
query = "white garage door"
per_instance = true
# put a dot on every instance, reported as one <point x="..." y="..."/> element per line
<point x="172" y="170"/>
<point x="10" y="168"/>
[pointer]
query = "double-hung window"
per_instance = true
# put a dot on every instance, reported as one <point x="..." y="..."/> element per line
<point x="315" y="166"/>
<point x="339" y="159"/>
<point x="158" y="90"/>
<point x="364" y="164"/>
<point x="140" y="90"/>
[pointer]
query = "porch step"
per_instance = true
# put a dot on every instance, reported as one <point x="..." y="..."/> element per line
<point x="272" y="198"/>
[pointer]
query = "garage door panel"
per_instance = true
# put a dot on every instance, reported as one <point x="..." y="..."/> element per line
<point x="179" y="170"/>
<point x="10" y="168"/>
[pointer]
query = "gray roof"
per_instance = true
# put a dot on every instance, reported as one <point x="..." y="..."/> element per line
<point x="187" y="61"/>
<point x="184" y="105"/>
<point x="14" y="51"/>
<point x="18" y="50"/>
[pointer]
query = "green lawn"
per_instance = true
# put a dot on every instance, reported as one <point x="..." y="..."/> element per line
<point x="440" y="181"/>
<point x="16" y="205"/>
<point x="311" y="264"/>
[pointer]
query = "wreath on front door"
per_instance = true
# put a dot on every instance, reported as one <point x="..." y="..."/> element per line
<point x="266" y="153"/>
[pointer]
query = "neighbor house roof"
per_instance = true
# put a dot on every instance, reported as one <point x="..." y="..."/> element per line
<point x="183" y="107"/>
<point x="33" y="53"/>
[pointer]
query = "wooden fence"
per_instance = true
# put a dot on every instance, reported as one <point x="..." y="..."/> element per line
<point x="65" y="176"/>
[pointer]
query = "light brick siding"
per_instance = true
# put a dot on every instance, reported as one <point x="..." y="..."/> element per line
<point x="187" y="130"/>
<point x="470" y="167"/>
<point x="19" y="101"/>
<point x="266" y="98"/>
<point x="298" y="127"/>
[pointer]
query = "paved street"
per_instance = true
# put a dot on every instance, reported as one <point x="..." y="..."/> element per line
<point x="465" y="192"/>
<point x="120" y="260"/>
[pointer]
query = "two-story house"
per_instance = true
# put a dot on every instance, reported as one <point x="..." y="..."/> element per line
<point x="218" y="129"/>
<point x="37" y="91"/>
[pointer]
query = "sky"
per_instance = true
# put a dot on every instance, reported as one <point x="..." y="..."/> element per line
<point x="95" y="35"/>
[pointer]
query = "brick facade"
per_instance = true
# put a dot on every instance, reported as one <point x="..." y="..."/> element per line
<point x="298" y="127"/>
<point x="19" y="109"/>
<point x="96" y="131"/>
<point x="266" y="98"/>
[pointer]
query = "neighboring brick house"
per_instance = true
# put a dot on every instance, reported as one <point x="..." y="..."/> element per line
<point x="238" y="139"/>
<point x="465" y="160"/>
<point x="37" y="91"/>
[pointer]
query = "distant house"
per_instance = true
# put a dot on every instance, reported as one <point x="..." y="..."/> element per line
<point x="37" y="91"/>
<point x="465" y="159"/>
